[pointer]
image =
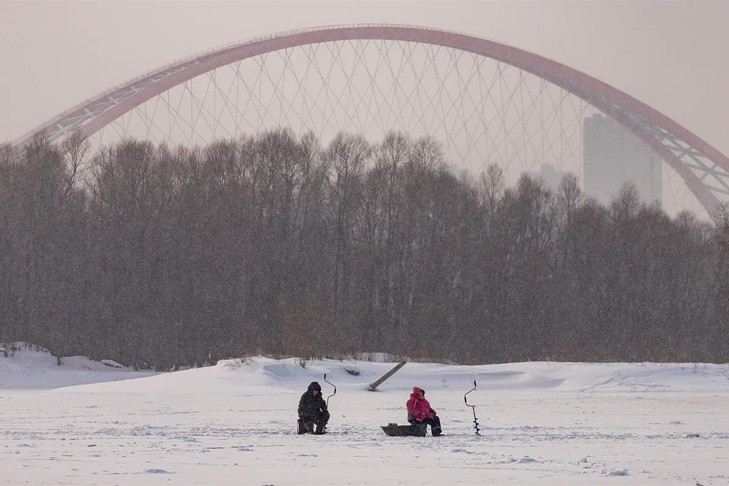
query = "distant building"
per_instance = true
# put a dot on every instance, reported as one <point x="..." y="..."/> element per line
<point x="614" y="156"/>
<point x="551" y="176"/>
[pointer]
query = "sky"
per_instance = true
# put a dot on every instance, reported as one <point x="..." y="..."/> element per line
<point x="671" y="55"/>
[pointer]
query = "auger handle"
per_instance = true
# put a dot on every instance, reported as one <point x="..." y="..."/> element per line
<point x="465" y="399"/>
<point x="335" y="388"/>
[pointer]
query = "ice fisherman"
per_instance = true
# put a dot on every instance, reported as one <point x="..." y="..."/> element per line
<point x="313" y="411"/>
<point x="419" y="411"/>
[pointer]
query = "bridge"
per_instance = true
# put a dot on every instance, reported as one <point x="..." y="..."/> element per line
<point x="486" y="102"/>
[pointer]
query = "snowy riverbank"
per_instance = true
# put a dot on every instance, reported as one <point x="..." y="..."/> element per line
<point x="549" y="423"/>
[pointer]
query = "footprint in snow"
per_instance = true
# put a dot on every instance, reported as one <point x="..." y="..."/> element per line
<point x="156" y="471"/>
<point x="619" y="472"/>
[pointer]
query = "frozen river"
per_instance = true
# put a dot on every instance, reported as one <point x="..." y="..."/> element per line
<point x="541" y="423"/>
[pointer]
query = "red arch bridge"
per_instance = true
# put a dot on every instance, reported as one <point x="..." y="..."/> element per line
<point x="485" y="102"/>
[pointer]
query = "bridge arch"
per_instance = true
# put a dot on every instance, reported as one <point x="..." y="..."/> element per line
<point x="703" y="168"/>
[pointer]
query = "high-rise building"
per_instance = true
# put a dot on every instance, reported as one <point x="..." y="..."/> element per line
<point x="551" y="176"/>
<point x="614" y="156"/>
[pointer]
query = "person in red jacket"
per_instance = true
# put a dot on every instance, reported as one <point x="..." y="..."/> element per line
<point x="419" y="411"/>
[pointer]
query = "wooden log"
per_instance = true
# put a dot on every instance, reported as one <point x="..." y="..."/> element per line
<point x="377" y="383"/>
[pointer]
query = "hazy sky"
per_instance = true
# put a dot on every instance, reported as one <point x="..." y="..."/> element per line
<point x="673" y="56"/>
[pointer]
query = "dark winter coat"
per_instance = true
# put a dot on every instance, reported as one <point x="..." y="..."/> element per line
<point x="311" y="407"/>
<point x="419" y="408"/>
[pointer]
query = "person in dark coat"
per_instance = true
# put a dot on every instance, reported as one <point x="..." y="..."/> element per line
<point x="419" y="411"/>
<point x="313" y="411"/>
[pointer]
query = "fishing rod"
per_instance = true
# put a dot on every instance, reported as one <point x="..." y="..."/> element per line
<point x="473" y="407"/>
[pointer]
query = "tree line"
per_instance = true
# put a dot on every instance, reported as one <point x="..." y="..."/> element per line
<point x="161" y="257"/>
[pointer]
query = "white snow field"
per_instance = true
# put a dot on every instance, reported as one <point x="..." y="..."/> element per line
<point x="234" y="423"/>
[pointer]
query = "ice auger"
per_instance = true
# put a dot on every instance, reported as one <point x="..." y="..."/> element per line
<point x="473" y="407"/>
<point x="335" y="389"/>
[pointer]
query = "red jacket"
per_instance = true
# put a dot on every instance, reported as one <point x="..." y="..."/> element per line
<point x="419" y="408"/>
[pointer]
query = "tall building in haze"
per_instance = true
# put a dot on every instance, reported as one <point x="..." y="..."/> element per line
<point x="551" y="176"/>
<point x="614" y="156"/>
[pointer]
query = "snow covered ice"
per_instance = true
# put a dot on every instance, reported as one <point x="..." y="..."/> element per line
<point x="88" y="423"/>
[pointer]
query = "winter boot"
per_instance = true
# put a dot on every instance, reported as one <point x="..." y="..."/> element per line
<point x="301" y="429"/>
<point x="320" y="429"/>
<point x="309" y="427"/>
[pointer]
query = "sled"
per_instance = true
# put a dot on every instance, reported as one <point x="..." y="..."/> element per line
<point x="394" y="430"/>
